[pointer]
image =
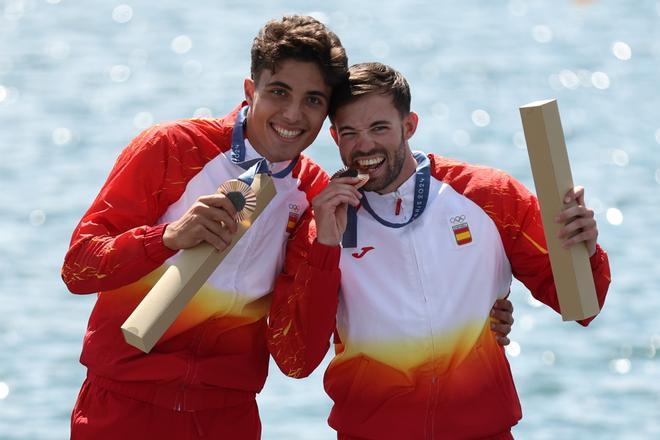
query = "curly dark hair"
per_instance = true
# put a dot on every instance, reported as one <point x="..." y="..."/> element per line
<point x="301" y="38"/>
<point x="368" y="78"/>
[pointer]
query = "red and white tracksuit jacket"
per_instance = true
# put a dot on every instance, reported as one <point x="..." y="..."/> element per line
<point x="415" y="357"/>
<point x="215" y="354"/>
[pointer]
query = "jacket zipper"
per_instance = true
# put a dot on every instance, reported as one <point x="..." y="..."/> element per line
<point x="434" y="380"/>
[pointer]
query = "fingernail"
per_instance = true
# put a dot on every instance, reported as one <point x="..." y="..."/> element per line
<point x="566" y="200"/>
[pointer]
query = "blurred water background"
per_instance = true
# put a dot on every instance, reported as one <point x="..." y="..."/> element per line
<point x="79" y="79"/>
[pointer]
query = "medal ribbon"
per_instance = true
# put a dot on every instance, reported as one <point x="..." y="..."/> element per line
<point x="421" y="196"/>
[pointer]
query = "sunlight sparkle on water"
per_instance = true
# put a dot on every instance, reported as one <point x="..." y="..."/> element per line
<point x="181" y="44"/>
<point x="657" y="176"/>
<point x="122" y="14"/>
<point x="3" y="93"/>
<point x="62" y="136"/>
<point x="614" y="216"/>
<point x="621" y="50"/>
<point x="480" y="118"/>
<point x="548" y="358"/>
<point x="620" y="158"/>
<point x="37" y="217"/>
<point x="569" y="79"/>
<point x="4" y="390"/>
<point x="621" y="366"/>
<point x="120" y="73"/>
<point x="584" y="76"/>
<point x="513" y="349"/>
<point x="657" y="135"/>
<point x="143" y="120"/>
<point x="600" y="80"/>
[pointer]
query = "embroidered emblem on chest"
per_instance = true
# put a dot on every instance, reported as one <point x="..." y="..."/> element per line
<point x="460" y="229"/>
<point x="294" y="215"/>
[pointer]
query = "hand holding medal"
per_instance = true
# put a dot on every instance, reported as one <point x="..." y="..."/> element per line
<point x="181" y="281"/>
<point x="331" y="205"/>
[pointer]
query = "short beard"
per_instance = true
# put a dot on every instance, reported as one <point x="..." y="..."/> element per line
<point x="394" y="167"/>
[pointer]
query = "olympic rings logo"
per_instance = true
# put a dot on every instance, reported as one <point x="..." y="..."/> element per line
<point x="457" y="219"/>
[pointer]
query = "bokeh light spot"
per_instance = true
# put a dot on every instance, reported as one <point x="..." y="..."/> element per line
<point x="120" y="73"/>
<point x="513" y="349"/>
<point x="621" y="50"/>
<point x="569" y="79"/>
<point x="621" y="366"/>
<point x="37" y="217"/>
<point x="480" y="118"/>
<point x="600" y="80"/>
<point x="181" y="44"/>
<point x="614" y="216"/>
<point x="143" y="120"/>
<point x="122" y="14"/>
<point x="61" y="136"/>
<point x="620" y="158"/>
<point x="548" y="358"/>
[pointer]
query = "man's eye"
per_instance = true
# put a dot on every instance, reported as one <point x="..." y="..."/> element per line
<point x="347" y="134"/>
<point x="278" y="92"/>
<point x="315" y="100"/>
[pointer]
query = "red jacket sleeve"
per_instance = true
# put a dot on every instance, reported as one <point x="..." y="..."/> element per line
<point x="116" y="242"/>
<point x="304" y="308"/>
<point x="527" y="252"/>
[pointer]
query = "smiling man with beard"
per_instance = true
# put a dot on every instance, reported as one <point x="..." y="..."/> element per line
<point x="427" y="246"/>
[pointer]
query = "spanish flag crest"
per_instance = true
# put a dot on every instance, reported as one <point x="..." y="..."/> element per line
<point x="460" y="229"/>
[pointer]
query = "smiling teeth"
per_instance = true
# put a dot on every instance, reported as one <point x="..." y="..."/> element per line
<point x="287" y="133"/>
<point x="365" y="163"/>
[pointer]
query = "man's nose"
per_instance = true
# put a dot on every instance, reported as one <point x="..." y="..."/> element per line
<point x="292" y="111"/>
<point x="363" y="141"/>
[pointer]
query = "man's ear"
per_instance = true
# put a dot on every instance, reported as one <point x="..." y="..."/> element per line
<point x="334" y="134"/>
<point x="410" y="125"/>
<point x="248" y="87"/>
